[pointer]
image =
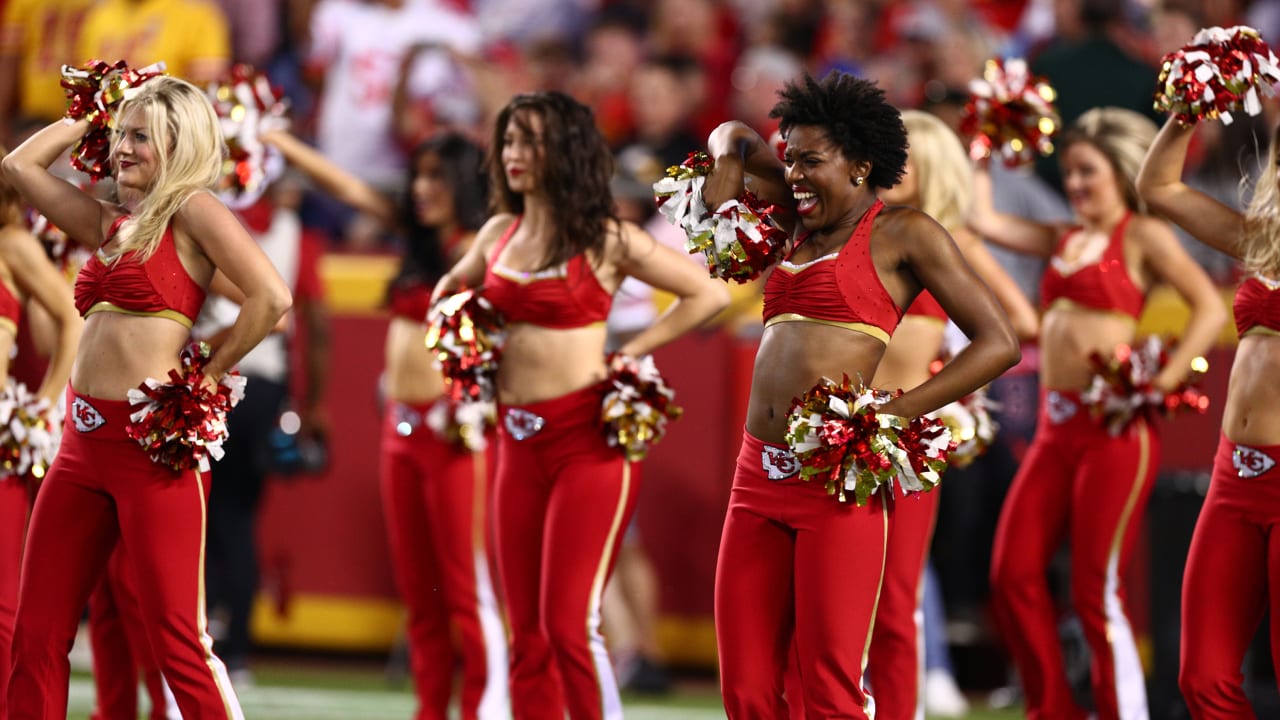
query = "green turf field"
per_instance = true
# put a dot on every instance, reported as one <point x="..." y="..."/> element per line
<point x="304" y="692"/>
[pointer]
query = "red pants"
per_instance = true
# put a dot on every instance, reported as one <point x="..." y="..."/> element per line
<point x="15" y="502"/>
<point x="103" y="490"/>
<point x="1076" y="481"/>
<point x="1232" y="578"/>
<point x="895" y="667"/>
<point x="787" y="545"/>
<point x="563" y="500"/>
<point x="436" y="500"/>
<point x="121" y="650"/>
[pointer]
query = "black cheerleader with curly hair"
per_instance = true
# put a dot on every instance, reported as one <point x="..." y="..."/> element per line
<point x="830" y="308"/>
<point x="857" y="118"/>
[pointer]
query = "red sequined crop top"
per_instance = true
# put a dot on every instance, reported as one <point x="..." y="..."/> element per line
<point x="569" y="296"/>
<point x="1257" y="307"/>
<point x="926" y="306"/>
<point x="1104" y="285"/>
<point x="10" y="309"/>
<point x="410" y="300"/>
<point x="159" y="287"/>
<point x="841" y="289"/>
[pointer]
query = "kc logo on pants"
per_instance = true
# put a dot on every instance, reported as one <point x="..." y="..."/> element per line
<point x="778" y="462"/>
<point x="1250" y="463"/>
<point x="85" y="416"/>
<point x="522" y="424"/>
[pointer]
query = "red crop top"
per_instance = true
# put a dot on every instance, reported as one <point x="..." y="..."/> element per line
<point x="159" y="287"/>
<point x="926" y="306"/>
<point x="1104" y="285"/>
<point x="10" y="309"/>
<point x="1257" y="307"/>
<point x="565" y="297"/>
<point x="410" y="300"/>
<point x="841" y="289"/>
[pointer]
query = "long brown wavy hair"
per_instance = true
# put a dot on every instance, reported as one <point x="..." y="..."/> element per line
<point x="573" y="172"/>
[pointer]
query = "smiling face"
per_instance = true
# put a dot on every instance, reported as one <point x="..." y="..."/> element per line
<point x="821" y="178"/>
<point x="523" y="151"/>
<point x="431" y="192"/>
<point x="1090" y="181"/>
<point x="134" y="154"/>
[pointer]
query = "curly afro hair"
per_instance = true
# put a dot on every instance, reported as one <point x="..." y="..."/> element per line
<point x="855" y="115"/>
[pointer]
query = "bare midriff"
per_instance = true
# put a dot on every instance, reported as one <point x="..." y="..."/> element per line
<point x="1252" y="414"/>
<point x="541" y="363"/>
<point x="119" y="351"/>
<point x="1069" y="334"/>
<point x="792" y="358"/>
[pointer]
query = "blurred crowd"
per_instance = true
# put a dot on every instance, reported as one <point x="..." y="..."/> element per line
<point x="368" y="80"/>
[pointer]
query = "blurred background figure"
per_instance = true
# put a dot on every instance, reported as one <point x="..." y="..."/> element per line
<point x="358" y="53"/>
<point x="189" y="36"/>
<point x="36" y="38"/>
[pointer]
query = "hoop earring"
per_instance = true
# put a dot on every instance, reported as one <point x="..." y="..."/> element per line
<point x="857" y="182"/>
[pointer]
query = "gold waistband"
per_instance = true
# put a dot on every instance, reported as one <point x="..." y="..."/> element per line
<point x="1261" y="330"/>
<point x="173" y="315"/>
<point x="9" y="324"/>
<point x="1069" y="304"/>
<point x="863" y="328"/>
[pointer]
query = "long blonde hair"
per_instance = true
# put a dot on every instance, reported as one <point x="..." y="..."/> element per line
<point x="187" y="141"/>
<point x="941" y="168"/>
<point x="1260" y="242"/>
<point x="1123" y="136"/>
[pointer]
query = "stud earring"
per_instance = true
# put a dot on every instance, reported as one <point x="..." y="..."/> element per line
<point x="857" y="182"/>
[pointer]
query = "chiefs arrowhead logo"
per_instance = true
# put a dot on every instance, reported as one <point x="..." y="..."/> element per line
<point x="85" y="416"/>
<point x="778" y="462"/>
<point x="522" y="424"/>
<point x="1251" y="463"/>
<point x="1059" y="408"/>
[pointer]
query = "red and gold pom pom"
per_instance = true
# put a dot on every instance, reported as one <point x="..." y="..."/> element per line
<point x="738" y="239"/>
<point x="94" y="91"/>
<point x="66" y="254"/>
<point x="1222" y="70"/>
<point x="466" y="334"/>
<point x="637" y="405"/>
<point x="1010" y="113"/>
<point x="248" y="106"/>
<point x="973" y="426"/>
<point x="29" y="432"/>
<point x="181" y="424"/>
<point x="840" y="438"/>
<point x="1122" y="390"/>
<point x="463" y="423"/>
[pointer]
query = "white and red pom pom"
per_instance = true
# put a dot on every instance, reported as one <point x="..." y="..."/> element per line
<point x="463" y="422"/>
<point x="181" y="424"/>
<point x="973" y="426"/>
<point x="466" y="334"/>
<point x="1222" y="70"/>
<point x="94" y="91"/>
<point x="637" y="406"/>
<point x="30" y="430"/>
<point x="738" y="239"/>
<point x="1010" y="113"/>
<point x="1122" y="390"/>
<point x="248" y="106"/>
<point x="840" y="437"/>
